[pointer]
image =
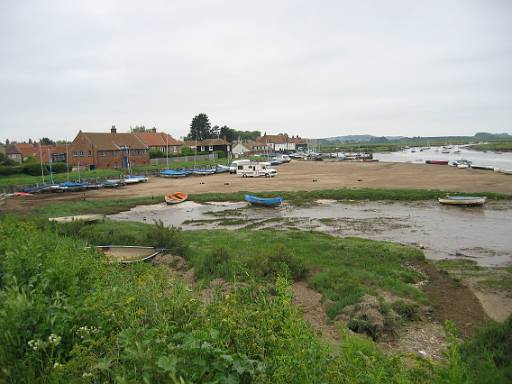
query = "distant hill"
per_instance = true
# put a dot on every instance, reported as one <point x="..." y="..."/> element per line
<point x="492" y="136"/>
<point x="480" y="136"/>
<point x="361" y="138"/>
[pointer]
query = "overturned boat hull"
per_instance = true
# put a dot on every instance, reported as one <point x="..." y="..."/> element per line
<point x="463" y="200"/>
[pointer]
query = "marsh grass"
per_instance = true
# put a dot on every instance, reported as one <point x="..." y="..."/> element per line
<point x="67" y="315"/>
<point x="307" y="197"/>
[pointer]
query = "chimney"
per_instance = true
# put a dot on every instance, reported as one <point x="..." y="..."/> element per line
<point x="153" y="130"/>
<point x="113" y="129"/>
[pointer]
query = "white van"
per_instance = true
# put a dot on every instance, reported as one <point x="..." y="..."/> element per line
<point x="233" y="166"/>
<point x="255" y="169"/>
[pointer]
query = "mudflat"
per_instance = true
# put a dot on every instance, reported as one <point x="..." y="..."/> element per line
<point x="304" y="176"/>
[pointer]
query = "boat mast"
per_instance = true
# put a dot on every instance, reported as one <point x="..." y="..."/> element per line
<point x="67" y="162"/>
<point x="167" y="150"/>
<point x="50" y="164"/>
<point x="41" y="161"/>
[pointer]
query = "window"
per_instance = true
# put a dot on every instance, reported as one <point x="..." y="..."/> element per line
<point x="90" y="153"/>
<point x="202" y="148"/>
<point x="115" y="153"/>
<point x="102" y="153"/>
<point x="210" y="147"/>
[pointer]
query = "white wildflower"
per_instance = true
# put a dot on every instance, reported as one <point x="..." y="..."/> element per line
<point x="87" y="374"/>
<point x="54" y="339"/>
<point x="87" y="330"/>
<point x="35" y="344"/>
<point x="57" y="365"/>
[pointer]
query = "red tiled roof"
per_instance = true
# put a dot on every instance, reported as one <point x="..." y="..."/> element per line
<point x="157" y="139"/>
<point x="114" y="141"/>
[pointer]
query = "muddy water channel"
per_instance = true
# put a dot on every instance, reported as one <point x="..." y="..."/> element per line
<point x="480" y="234"/>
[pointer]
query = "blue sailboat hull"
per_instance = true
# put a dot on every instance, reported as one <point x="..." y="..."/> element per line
<point x="263" y="201"/>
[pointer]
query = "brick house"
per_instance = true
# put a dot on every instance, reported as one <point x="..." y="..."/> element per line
<point x="160" y="141"/>
<point x="282" y="142"/>
<point x="108" y="150"/>
<point x="13" y="152"/>
<point x="57" y="153"/>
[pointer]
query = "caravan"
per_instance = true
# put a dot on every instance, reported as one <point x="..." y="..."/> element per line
<point x="254" y="169"/>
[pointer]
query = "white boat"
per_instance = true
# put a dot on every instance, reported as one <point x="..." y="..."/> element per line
<point x="69" y="219"/>
<point x="462" y="166"/>
<point x="463" y="200"/>
<point x="127" y="253"/>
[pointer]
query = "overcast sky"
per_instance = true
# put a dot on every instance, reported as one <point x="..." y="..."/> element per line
<point x="317" y="69"/>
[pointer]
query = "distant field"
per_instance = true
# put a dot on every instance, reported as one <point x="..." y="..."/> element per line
<point x="501" y="146"/>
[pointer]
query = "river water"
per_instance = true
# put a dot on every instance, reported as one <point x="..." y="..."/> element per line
<point x="501" y="160"/>
<point x="480" y="234"/>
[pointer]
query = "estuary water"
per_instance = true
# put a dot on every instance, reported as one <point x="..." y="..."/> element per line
<point x="481" y="234"/>
<point x="501" y="160"/>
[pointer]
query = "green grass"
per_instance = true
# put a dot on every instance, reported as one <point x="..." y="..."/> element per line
<point x="304" y="197"/>
<point x="342" y="269"/>
<point x="501" y="146"/>
<point x="497" y="278"/>
<point x="105" y="206"/>
<point x="67" y="315"/>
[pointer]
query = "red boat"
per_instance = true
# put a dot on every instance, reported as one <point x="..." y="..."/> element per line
<point x="437" y="162"/>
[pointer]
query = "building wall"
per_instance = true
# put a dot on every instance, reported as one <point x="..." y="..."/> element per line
<point x="83" y="153"/>
<point x="114" y="159"/>
<point x="239" y="149"/>
<point x="172" y="148"/>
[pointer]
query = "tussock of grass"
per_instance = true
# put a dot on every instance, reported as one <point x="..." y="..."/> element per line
<point x="105" y="206"/>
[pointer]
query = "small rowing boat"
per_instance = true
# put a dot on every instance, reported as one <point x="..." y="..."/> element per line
<point x="127" y="253"/>
<point x="69" y="219"/>
<point x="264" y="201"/>
<point x="174" y="173"/>
<point x="437" y="162"/>
<point x="175" y="198"/>
<point x="203" y="172"/>
<point x="483" y="167"/>
<point x="463" y="200"/>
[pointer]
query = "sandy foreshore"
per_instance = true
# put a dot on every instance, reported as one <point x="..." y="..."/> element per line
<point x="304" y="175"/>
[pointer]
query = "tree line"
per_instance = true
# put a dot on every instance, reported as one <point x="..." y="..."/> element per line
<point x="201" y="129"/>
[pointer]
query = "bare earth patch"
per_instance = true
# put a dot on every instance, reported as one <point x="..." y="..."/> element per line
<point x="309" y="301"/>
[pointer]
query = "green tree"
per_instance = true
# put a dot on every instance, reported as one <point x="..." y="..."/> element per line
<point x="200" y="128"/>
<point x="138" y="128"/>
<point x="46" y="141"/>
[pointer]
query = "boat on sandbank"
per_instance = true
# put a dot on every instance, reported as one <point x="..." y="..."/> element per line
<point x="463" y="200"/>
<point x="264" y="201"/>
<point x="175" y="198"/>
<point x="126" y="254"/>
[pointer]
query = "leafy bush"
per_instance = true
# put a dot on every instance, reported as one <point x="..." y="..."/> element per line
<point x="489" y="355"/>
<point x="221" y="154"/>
<point x="278" y="261"/>
<point x="407" y="310"/>
<point x="34" y="169"/>
<point x="217" y="263"/>
<point x="169" y="238"/>
<point x="6" y="170"/>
